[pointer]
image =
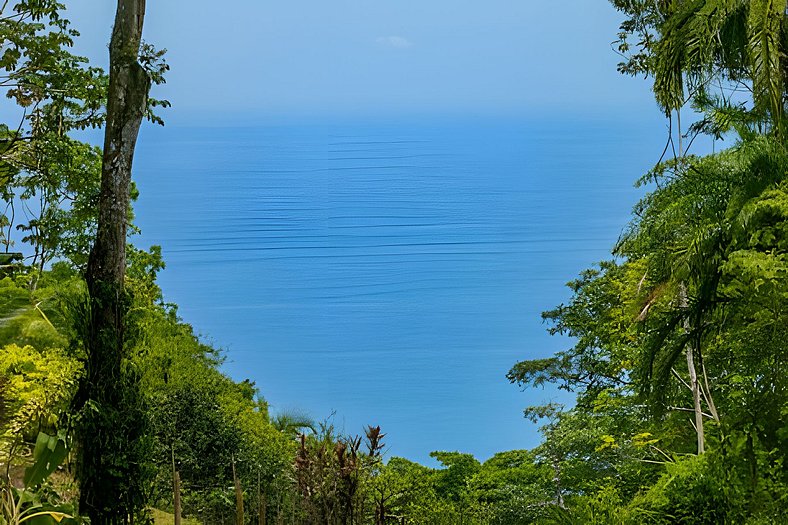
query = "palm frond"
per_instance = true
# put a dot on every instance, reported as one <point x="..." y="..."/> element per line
<point x="765" y="30"/>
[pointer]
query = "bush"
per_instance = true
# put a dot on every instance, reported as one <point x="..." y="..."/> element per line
<point x="692" y="491"/>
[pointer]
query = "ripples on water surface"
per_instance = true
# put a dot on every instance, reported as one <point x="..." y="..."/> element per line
<point x="391" y="272"/>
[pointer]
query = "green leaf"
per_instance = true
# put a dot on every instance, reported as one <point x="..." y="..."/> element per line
<point x="48" y="515"/>
<point x="49" y="453"/>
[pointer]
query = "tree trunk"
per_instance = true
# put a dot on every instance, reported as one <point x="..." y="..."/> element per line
<point x="262" y="505"/>
<point x="239" y="498"/>
<point x="696" y="399"/>
<point x="102" y="494"/>
<point x="559" y="493"/>
<point x="126" y="105"/>
<point x="707" y="394"/>
<point x="261" y="510"/>
<point x="693" y="374"/>
<point x="177" y="500"/>
<point x="176" y="489"/>
<point x="689" y="350"/>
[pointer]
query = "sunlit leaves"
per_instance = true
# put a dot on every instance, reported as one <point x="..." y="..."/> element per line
<point x="36" y="387"/>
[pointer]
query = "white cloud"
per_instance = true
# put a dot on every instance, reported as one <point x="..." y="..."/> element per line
<point x="394" y="41"/>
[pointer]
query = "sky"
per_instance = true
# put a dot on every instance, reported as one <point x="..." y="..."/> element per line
<point x="238" y="59"/>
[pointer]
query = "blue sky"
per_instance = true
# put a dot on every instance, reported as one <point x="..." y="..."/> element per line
<point x="379" y="58"/>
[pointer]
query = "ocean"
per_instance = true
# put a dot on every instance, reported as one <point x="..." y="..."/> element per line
<point x="389" y="272"/>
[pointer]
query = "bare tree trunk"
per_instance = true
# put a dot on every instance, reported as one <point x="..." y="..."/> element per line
<point x="102" y="496"/>
<point x="693" y="374"/>
<point x="696" y="399"/>
<point x="707" y="394"/>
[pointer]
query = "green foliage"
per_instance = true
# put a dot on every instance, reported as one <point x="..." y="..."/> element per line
<point x="714" y="227"/>
<point x="39" y="317"/>
<point x="694" y="491"/>
<point x="597" y="318"/>
<point x="190" y="425"/>
<point x="36" y="389"/>
<point x="451" y="481"/>
<point x="48" y="454"/>
<point x="27" y="505"/>
<point x="699" y="289"/>
<point x="111" y="419"/>
<point x="691" y="46"/>
<point x="164" y="518"/>
<point x="200" y="418"/>
<point x="294" y="423"/>
<point x="53" y="177"/>
<point x="341" y="481"/>
<point x="510" y="487"/>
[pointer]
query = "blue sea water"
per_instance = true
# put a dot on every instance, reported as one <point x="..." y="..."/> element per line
<point x="389" y="271"/>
